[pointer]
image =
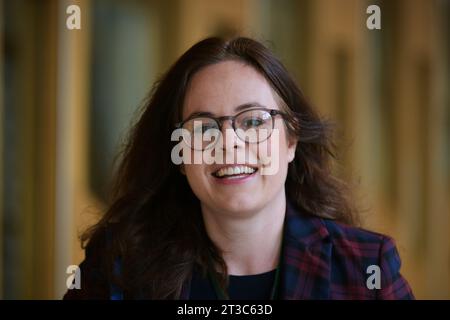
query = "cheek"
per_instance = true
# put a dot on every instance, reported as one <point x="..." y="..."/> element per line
<point x="275" y="154"/>
<point x="195" y="174"/>
<point x="286" y="148"/>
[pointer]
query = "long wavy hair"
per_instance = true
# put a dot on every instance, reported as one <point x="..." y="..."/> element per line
<point x="157" y="227"/>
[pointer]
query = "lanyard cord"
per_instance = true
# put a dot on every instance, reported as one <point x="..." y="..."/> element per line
<point x="222" y="295"/>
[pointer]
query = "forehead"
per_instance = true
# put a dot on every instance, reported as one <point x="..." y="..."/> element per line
<point x="221" y="87"/>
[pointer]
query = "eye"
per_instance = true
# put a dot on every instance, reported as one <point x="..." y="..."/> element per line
<point x="204" y="127"/>
<point x="252" y="122"/>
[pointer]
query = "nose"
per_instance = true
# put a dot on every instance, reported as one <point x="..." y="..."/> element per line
<point x="230" y="139"/>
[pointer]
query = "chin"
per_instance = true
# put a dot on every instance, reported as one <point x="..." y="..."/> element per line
<point x="239" y="204"/>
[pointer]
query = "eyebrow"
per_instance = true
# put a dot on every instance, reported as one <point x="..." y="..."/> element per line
<point x="241" y="107"/>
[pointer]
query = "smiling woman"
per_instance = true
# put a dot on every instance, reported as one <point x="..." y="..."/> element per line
<point x="225" y="229"/>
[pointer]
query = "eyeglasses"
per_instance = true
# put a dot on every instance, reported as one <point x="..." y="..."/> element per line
<point x="252" y="126"/>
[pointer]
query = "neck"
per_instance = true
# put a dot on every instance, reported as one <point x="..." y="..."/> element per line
<point x="249" y="244"/>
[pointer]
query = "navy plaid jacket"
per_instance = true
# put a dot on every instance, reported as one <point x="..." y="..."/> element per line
<point x="322" y="259"/>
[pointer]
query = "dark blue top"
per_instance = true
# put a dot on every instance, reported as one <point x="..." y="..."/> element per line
<point x="249" y="287"/>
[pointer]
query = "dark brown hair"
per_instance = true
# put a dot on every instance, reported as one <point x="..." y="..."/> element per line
<point x="158" y="230"/>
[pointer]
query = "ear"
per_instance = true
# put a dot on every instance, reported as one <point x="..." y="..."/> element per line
<point x="292" y="147"/>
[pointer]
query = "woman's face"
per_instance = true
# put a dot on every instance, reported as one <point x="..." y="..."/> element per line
<point x="219" y="89"/>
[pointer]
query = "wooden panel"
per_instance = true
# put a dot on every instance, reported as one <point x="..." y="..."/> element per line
<point x="1" y="148"/>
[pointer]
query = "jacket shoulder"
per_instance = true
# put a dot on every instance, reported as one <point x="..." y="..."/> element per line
<point x="345" y="234"/>
<point x="360" y="252"/>
<point x="94" y="268"/>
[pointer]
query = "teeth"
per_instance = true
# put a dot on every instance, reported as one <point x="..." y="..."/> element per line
<point x="228" y="171"/>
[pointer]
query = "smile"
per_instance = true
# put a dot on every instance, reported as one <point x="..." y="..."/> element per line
<point x="236" y="171"/>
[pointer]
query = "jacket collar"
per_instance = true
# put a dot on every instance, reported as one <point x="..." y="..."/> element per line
<point x="301" y="229"/>
<point x="306" y="257"/>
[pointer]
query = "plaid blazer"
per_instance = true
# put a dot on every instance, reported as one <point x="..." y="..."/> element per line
<point x="321" y="259"/>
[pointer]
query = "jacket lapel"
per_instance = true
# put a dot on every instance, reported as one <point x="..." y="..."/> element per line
<point x="305" y="265"/>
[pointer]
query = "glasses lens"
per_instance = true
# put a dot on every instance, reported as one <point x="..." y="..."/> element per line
<point x="201" y="133"/>
<point x="254" y="126"/>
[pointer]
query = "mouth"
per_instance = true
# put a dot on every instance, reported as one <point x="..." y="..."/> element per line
<point x="234" y="172"/>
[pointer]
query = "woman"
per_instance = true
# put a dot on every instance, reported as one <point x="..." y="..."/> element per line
<point x="230" y="229"/>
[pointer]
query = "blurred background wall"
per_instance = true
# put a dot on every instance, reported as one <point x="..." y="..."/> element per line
<point x="67" y="98"/>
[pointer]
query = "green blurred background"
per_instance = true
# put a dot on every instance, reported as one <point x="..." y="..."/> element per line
<point x="67" y="98"/>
